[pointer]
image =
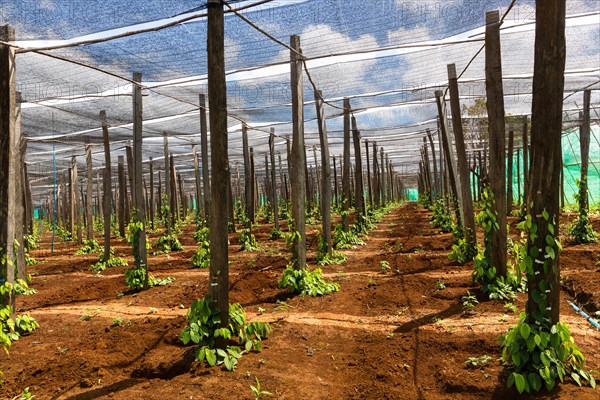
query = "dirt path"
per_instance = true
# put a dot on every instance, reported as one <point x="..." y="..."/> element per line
<point x="387" y="334"/>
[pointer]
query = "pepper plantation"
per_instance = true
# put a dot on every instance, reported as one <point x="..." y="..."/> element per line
<point x="299" y="199"/>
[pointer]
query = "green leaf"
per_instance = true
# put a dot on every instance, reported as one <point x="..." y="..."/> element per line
<point x="520" y="382"/>
<point x="576" y="378"/>
<point x="537" y="339"/>
<point x="525" y="330"/>
<point x="545" y="215"/>
<point x="511" y="380"/>
<point x="545" y="360"/>
<point x="248" y="345"/>
<point x="229" y="363"/>
<point x="550" y="252"/>
<point x="222" y="353"/>
<point x="211" y="357"/>
<point x="185" y="337"/>
<point x="535" y="382"/>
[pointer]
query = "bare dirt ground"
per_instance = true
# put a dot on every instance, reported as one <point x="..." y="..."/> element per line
<point x="386" y="335"/>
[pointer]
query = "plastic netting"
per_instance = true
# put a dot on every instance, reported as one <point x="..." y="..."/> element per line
<point x="387" y="56"/>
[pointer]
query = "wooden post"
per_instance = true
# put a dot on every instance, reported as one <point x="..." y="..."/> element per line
<point x="448" y="153"/>
<point x="466" y="205"/>
<point x="230" y="213"/>
<point x="325" y="174"/>
<point x="248" y="182"/>
<point x="107" y="186"/>
<point x="509" y="173"/>
<point x="198" y="181"/>
<point x="28" y="199"/>
<point x="160" y="195"/>
<point x="359" y="196"/>
<point x="376" y="185"/>
<point x="298" y="154"/>
<point x="433" y="157"/>
<point x="281" y="179"/>
<point x="253" y="189"/>
<point x="317" y="185"/>
<point x="89" y="192"/>
<point x="519" y="176"/>
<point x="138" y="174"/>
<point x="182" y="202"/>
<point x="174" y="197"/>
<point x="8" y="156"/>
<point x="382" y="182"/>
<point x="369" y="186"/>
<point x="217" y="98"/>
<point x="346" y="194"/>
<point x="546" y="126"/>
<point x="273" y="184"/>
<point x="122" y="195"/>
<point x="426" y="170"/>
<point x="584" y="145"/>
<point x="170" y="211"/>
<point x="525" y="162"/>
<point x="335" y="183"/>
<point x="131" y="176"/>
<point x="204" y="157"/>
<point x="495" y="107"/>
<point x="20" y="147"/>
<point x="152" y="205"/>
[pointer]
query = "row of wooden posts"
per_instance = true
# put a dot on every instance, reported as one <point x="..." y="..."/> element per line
<point x="217" y="194"/>
<point x="78" y="203"/>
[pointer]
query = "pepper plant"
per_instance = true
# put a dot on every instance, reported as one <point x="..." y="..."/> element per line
<point x="204" y="329"/>
<point x="539" y="349"/>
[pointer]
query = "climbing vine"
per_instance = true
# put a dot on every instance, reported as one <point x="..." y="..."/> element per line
<point x="537" y="351"/>
<point x="580" y="230"/>
<point x="497" y="287"/>
<point x="204" y="328"/>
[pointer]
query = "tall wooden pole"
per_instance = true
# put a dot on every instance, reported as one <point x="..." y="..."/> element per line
<point x="584" y="145"/>
<point x="204" y="157"/>
<point x="138" y="173"/>
<point x="446" y="144"/>
<point x="369" y="185"/>
<point x="248" y="182"/>
<point x="382" y="181"/>
<point x="217" y="99"/>
<point x="152" y="204"/>
<point x="346" y="190"/>
<point x="298" y="154"/>
<point x="122" y="195"/>
<point x="376" y="185"/>
<point x="107" y="186"/>
<point x="495" y="107"/>
<point x="525" y="160"/>
<point x="466" y="206"/>
<point x="89" y="192"/>
<point x="335" y="182"/>
<point x="198" y="181"/>
<point x="167" y="217"/>
<point x="359" y="191"/>
<point x="273" y="184"/>
<point x="325" y="174"/>
<point x="509" y="172"/>
<point x="546" y="127"/>
<point x="8" y="149"/>
<point x="433" y="157"/>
